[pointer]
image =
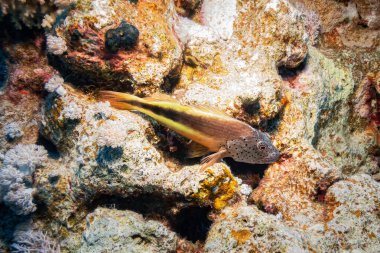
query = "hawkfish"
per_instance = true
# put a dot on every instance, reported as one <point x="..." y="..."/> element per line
<point x="209" y="130"/>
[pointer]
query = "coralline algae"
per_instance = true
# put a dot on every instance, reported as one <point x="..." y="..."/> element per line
<point x="305" y="72"/>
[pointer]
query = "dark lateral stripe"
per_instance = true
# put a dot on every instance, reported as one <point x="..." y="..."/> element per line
<point x="167" y="113"/>
<point x="216" y="127"/>
<point x="197" y="123"/>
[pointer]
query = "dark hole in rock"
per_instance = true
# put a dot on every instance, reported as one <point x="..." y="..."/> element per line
<point x="49" y="146"/>
<point x="108" y="155"/>
<point x="3" y="70"/>
<point x="251" y="174"/>
<point x="271" y="125"/>
<point x="190" y="222"/>
<point x="8" y="223"/>
<point x="188" y="8"/>
<point x="53" y="179"/>
<point x="75" y="35"/>
<point x="267" y="208"/>
<point x="320" y="196"/>
<point x="133" y="1"/>
<point x="251" y="107"/>
<point x="172" y="79"/>
<point x="17" y="32"/>
<point x="290" y="73"/>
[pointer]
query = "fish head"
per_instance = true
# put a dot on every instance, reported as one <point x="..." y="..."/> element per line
<point x="256" y="149"/>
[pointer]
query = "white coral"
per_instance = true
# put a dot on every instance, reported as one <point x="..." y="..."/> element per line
<point x="34" y="241"/>
<point x="12" y="131"/>
<point x="72" y="111"/>
<point x="111" y="135"/>
<point x="20" y="199"/>
<point x="101" y="110"/>
<point x="8" y="176"/>
<point x="55" y="84"/>
<point x="26" y="157"/>
<point x="56" y="45"/>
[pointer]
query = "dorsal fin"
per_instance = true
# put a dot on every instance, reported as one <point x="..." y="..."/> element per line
<point x="195" y="149"/>
<point x="161" y="97"/>
<point x="207" y="108"/>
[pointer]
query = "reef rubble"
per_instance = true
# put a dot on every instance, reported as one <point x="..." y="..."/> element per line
<point x="77" y="175"/>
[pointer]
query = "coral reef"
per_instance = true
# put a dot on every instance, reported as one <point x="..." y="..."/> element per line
<point x="33" y="14"/>
<point x="155" y="58"/>
<point x="19" y="163"/>
<point x="125" y="231"/>
<point x="28" y="239"/>
<point x="79" y="176"/>
<point x="26" y="158"/>
<point x="12" y="131"/>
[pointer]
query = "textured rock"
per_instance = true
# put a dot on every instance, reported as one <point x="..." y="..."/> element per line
<point x="123" y="163"/>
<point x="234" y="53"/>
<point x="353" y="213"/>
<point x="155" y="57"/>
<point x="306" y="72"/>
<point x="33" y="14"/>
<point x="369" y="11"/>
<point x="246" y="229"/>
<point x="348" y="221"/>
<point x="125" y="231"/>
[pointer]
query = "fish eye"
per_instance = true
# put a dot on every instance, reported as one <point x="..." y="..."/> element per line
<point x="262" y="146"/>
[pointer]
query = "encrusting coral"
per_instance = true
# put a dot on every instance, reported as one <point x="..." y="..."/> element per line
<point x="142" y="59"/>
<point x="20" y="163"/>
<point x="28" y="239"/>
<point x="12" y="131"/>
<point x="92" y="178"/>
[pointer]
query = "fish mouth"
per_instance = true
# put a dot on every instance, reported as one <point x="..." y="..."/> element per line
<point x="274" y="156"/>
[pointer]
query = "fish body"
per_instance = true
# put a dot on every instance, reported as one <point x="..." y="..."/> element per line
<point x="215" y="131"/>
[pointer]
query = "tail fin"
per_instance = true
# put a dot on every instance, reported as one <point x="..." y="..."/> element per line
<point x="119" y="100"/>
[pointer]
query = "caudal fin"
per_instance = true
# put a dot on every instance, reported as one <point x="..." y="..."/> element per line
<point x="119" y="100"/>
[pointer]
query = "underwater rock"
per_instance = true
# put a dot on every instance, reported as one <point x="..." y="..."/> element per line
<point x="101" y="59"/>
<point x="352" y="213"/>
<point x="305" y="72"/>
<point x="231" y="66"/>
<point x="246" y="229"/>
<point x="28" y="69"/>
<point x="113" y="230"/>
<point x="111" y="155"/>
<point x="33" y="13"/>
<point x="369" y="12"/>
<point x="348" y="216"/>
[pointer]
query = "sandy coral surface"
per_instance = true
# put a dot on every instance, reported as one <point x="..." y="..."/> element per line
<point x="77" y="175"/>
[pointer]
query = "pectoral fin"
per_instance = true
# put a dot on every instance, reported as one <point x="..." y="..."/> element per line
<point x="213" y="158"/>
<point x="195" y="149"/>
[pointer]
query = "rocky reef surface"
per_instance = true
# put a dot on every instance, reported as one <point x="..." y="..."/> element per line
<point x="77" y="175"/>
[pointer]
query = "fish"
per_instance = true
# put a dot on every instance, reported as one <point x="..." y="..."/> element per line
<point x="211" y="132"/>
